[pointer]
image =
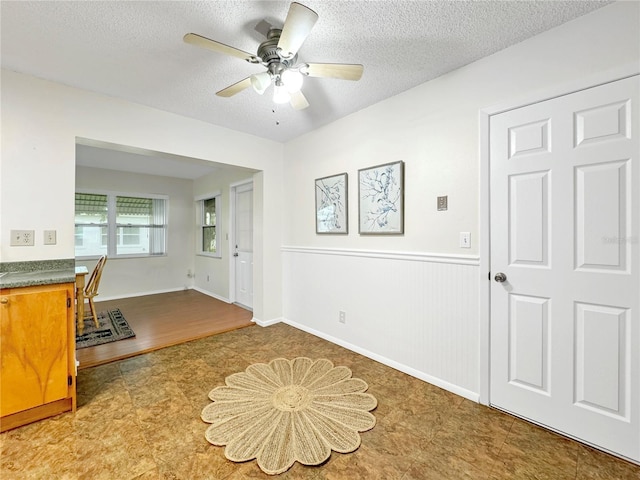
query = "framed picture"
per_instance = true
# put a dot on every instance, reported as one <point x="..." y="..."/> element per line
<point x="381" y="199"/>
<point x="331" y="204"/>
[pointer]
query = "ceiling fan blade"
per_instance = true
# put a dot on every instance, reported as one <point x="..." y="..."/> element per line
<point x="200" y="41"/>
<point x="297" y="26"/>
<point x="298" y="101"/>
<point x="235" y="88"/>
<point x="343" y="71"/>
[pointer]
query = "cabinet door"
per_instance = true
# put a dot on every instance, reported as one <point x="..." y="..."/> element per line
<point x="34" y="349"/>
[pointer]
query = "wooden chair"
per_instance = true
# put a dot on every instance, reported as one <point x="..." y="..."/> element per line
<point x="91" y="289"/>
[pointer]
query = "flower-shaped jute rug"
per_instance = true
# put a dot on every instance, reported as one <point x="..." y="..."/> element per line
<point x="287" y="411"/>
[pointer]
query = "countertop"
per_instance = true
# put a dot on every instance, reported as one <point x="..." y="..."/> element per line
<point x="47" y="272"/>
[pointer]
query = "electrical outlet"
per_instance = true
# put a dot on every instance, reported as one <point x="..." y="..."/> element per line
<point x="22" y="238"/>
<point x="49" y="237"/>
<point x="342" y="318"/>
<point x="465" y="240"/>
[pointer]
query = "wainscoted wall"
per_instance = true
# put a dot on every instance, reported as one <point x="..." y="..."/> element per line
<point x="420" y="312"/>
<point x="412" y="311"/>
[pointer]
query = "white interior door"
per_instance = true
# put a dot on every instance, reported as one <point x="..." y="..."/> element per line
<point x="243" y="248"/>
<point x="565" y="210"/>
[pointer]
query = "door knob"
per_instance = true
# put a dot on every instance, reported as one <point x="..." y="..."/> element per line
<point x="500" y="277"/>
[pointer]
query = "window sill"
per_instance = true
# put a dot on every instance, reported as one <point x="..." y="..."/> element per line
<point x="209" y="255"/>
<point x="116" y="257"/>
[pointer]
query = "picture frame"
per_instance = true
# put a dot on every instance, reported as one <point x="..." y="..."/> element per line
<point x="381" y="199"/>
<point x="332" y="212"/>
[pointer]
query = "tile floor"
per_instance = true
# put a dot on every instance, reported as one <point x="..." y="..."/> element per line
<point x="140" y="419"/>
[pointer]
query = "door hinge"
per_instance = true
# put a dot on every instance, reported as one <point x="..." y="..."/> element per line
<point x="68" y="303"/>
<point x="69" y="380"/>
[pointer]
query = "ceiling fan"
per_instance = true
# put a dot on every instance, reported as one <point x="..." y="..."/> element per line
<point x="279" y="54"/>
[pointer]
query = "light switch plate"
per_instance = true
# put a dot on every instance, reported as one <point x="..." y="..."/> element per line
<point x="22" y="238"/>
<point x="465" y="239"/>
<point x="49" y="237"/>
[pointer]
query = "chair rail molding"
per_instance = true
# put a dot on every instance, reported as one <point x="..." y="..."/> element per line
<point x="390" y="254"/>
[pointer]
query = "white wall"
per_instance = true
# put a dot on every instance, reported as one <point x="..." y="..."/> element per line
<point x="388" y="285"/>
<point x="40" y="123"/>
<point x="124" y="277"/>
<point x="212" y="274"/>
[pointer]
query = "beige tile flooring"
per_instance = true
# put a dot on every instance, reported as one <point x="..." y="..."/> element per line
<point x="140" y="419"/>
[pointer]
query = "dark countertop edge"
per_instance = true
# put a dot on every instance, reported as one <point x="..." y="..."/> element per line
<point x="37" y="265"/>
<point x="41" y="272"/>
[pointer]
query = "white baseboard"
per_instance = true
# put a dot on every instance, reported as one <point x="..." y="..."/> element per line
<point x="138" y="294"/>
<point x="211" y="294"/>
<point x="463" y="392"/>
<point x="156" y="292"/>
<point x="267" y="323"/>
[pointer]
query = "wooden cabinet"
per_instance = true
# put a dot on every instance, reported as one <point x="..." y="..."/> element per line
<point x="37" y="353"/>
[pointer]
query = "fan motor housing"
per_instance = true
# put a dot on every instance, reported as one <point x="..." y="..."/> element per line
<point x="268" y="50"/>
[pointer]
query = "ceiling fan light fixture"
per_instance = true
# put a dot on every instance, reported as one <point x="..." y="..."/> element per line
<point x="280" y="93"/>
<point x="279" y="54"/>
<point x="260" y="82"/>
<point x="292" y="80"/>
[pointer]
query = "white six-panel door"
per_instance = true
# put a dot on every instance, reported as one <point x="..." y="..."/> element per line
<point x="243" y="236"/>
<point x="565" y="215"/>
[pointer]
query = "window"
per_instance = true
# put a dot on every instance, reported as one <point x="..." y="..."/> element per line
<point x="140" y="226"/>
<point x="208" y="225"/>
<point x="91" y="224"/>
<point x="119" y="225"/>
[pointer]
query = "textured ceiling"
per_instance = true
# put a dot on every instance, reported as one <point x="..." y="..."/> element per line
<point x="134" y="50"/>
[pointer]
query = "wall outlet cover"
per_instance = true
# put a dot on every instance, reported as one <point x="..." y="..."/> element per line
<point x="22" y="238"/>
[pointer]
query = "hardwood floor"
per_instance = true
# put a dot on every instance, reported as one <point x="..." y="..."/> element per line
<point x="164" y="320"/>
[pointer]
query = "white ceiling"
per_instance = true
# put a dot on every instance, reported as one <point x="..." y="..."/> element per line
<point x="134" y="50"/>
